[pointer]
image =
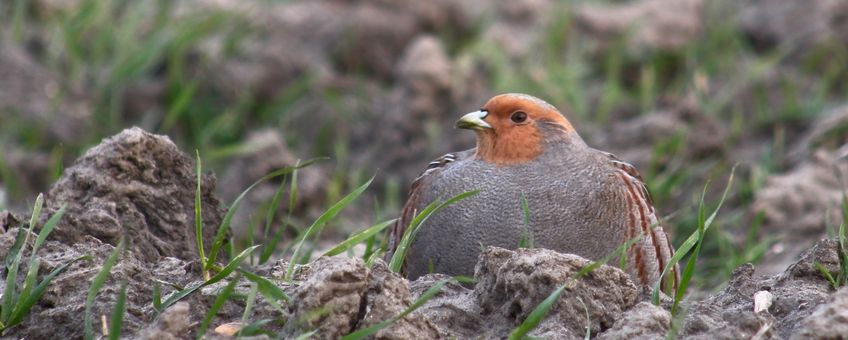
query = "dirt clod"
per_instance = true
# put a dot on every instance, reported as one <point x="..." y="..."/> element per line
<point x="643" y="321"/>
<point x="173" y="324"/>
<point x="828" y="321"/>
<point x="138" y="185"/>
<point x="797" y="291"/>
<point x="330" y="300"/>
<point x="510" y="284"/>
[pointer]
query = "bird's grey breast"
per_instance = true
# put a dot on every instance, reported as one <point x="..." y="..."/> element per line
<point x="557" y="191"/>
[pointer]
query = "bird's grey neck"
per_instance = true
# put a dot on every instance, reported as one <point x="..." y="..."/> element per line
<point x="555" y="133"/>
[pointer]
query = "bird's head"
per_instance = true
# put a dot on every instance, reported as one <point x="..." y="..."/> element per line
<point x="512" y="128"/>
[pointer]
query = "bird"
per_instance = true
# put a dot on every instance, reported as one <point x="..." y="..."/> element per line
<point x="535" y="178"/>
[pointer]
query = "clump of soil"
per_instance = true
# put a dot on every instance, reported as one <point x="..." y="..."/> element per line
<point x="510" y="284"/>
<point x="797" y="291"/>
<point x="138" y="185"/>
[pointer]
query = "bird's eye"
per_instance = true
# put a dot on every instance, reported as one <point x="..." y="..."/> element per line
<point x="518" y="117"/>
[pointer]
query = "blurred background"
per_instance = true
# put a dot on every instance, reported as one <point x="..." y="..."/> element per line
<point x="683" y="89"/>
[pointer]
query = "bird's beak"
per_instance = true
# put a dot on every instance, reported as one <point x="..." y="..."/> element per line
<point x="474" y="121"/>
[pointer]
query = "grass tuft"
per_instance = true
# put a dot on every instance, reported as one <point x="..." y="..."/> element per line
<point x="841" y="279"/>
<point x="248" y="308"/>
<point x="220" y="299"/>
<point x="97" y="286"/>
<point x="118" y="313"/>
<point x="229" y="268"/>
<point x="18" y="301"/>
<point x="198" y="219"/>
<point x="695" y="240"/>
<point x="358" y="238"/>
<point x="319" y="224"/>
<point x="207" y="263"/>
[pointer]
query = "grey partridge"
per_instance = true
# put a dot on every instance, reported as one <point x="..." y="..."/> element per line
<point x="581" y="200"/>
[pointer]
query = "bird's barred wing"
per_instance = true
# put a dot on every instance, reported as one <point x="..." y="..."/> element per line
<point x="409" y="208"/>
<point x="652" y="252"/>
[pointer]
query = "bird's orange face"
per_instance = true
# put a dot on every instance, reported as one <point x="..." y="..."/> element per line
<point x="509" y="128"/>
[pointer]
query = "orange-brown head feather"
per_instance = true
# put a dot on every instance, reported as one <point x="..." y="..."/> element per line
<point x="515" y="134"/>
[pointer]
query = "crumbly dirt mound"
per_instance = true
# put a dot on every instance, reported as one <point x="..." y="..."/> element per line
<point x="63" y="304"/>
<point x="797" y="291"/>
<point x="340" y="295"/>
<point x="510" y="284"/>
<point x="643" y="321"/>
<point x="331" y="299"/>
<point x="174" y="323"/>
<point x="139" y="185"/>
<point x="828" y="321"/>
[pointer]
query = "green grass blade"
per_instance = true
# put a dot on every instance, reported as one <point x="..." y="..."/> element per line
<point x="307" y="335"/>
<point x="597" y="264"/>
<point x="198" y="219"/>
<point x="16" y="247"/>
<point x="220" y="299"/>
<point x="527" y="240"/>
<point x="366" y="332"/>
<point x="826" y="273"/>
<point x="97" y="285"/>
<point x="229" y="268"/>
<point x="270" y="215"/>
<point x="692" y="241"/>
<point x="228" y="217"/>
<point x="157" y="297"/>
<point x="21" y="238"/>
<point x="322" y="221"/>
<point x="267" y="288"/>
<point x="29" y="285"/>
<point x="118" y="313"/>
<point x="36" y="211"/>
<point x="409" y="235"/>
<point x="537" y="315"/>
<point x="10" y="296"/>
<point x="255" y="328"/>
<point x="46" y="230"/>
<point x="690" y="263"/>
<point x="248" y="308"/>
<point x="293" y="192"/>
<point x="358" y="237"/>
<point x="270" y="246"/>
<point x="588" y="320"/>
<point x="34" y="263"/>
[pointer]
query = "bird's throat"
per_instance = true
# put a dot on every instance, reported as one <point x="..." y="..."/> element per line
<point x="508" y="148"/>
